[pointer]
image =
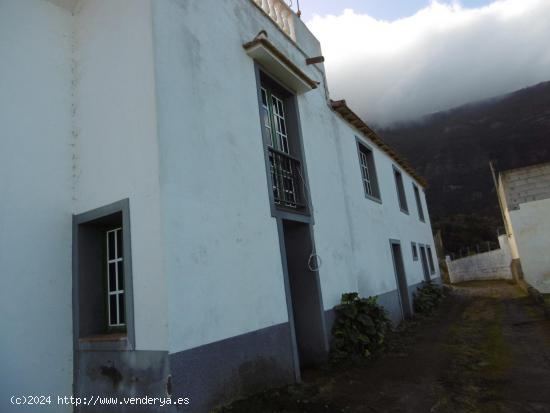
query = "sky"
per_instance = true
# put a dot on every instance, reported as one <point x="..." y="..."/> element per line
<point x="397" y="60"/>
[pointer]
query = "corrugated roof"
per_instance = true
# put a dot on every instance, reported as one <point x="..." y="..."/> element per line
<point x="341" y="107"/>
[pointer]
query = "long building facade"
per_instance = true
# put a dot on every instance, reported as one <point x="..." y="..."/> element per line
<point x="182" y="203"/>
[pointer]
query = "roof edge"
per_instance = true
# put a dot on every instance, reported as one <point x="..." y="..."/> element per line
<point x="342" y="108"/>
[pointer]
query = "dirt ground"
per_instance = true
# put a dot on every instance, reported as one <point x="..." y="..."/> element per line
<point x="487" y="349"/>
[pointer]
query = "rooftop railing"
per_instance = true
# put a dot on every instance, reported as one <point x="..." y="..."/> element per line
<point x="280" y="13"/>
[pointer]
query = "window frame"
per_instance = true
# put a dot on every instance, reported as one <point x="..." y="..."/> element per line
<point x="414" y="250"/>
<point x="400" y="190"/>
<point x="370" y="167"/>
<point x="419" y="206"/>
<point x="266" y="81"/>
<point x="431" y="262"/>
<point x="117" y="292"/>
<point x="115" y="338"/>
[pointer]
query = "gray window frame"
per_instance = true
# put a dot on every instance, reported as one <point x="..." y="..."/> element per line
<point x="122" y="207"/>
<point x="400" y="189"/>
<point x="371" y="167"/>
<point x="292" y="109"/>
<point x="431" y="262"/>
<point x="414" y="250"/>
<point x="418" y="199"/>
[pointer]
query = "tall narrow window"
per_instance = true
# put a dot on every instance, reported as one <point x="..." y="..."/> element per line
<point x="103" y="277"/>
<point x="431" y="260"/>
<point x="285" y="167"/>
<point x="368" y="171"/>
<point x="414" y="251"/>
<point x="418" y="203"/>
<point x="402" y="198"/>
<point x="115" y="278"/>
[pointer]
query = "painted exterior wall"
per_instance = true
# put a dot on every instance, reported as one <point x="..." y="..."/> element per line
<point x="35" y="201"/>
<point x="143" y="100"/>
<point x="492" y="265"/>
<point x="525" y="193"/>
<point x="206" y="232"/>
<point x="116" y="145"/>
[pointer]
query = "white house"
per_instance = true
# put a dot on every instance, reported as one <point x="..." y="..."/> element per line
<point x="524" y="196"/>
<point x="182" y="204"/>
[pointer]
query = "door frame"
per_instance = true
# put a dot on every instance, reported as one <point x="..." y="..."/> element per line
<point x="404" y="298"/>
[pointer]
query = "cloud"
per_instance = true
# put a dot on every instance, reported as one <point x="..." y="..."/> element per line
<point x="443" y="56"/>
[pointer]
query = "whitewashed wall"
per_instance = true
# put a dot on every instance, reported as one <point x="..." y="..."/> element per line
<point x="221" y="241"/>
<point x="525" y="194"/>
<point x="222" y="250"/>
<point x="35" y="202"/>
<point x="117" y="153"/>
<point x="492" y="265"/>
<point x="531" y="226"/>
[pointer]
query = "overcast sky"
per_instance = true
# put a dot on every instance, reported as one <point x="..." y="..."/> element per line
<point x="395" y="60"/>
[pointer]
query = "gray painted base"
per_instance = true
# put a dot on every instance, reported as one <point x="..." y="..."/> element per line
<point x="122" y="374"/>
<point x="390" y="302"/>
<point x="217" y="373"/>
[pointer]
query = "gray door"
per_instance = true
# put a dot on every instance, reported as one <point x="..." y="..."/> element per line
<point x="307" y="307"/>
<point x="424" y="261"/>
<point x="401" y="277"/>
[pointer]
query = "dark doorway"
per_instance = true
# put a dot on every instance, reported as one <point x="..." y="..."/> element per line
<point x="424" y="261"/>
<point x="307" y="307"/>
<point x="402" y="286"/>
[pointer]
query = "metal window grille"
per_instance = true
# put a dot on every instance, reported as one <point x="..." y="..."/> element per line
<point x="367" y="184"/>
<point x="115" y="278"/>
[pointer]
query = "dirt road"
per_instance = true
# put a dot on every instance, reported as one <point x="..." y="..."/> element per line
<point x="486" y="350"/>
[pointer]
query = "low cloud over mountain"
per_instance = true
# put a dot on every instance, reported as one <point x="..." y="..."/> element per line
<point x="443" y="56"/>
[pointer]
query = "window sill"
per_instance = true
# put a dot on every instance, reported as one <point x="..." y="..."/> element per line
<point x="405" y="211"/>
<point x="99" y="342"/>
<point x="373" y="198"/>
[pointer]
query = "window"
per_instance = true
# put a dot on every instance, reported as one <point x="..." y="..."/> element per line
<point x="279" y="127"/>
<point x="115" y="278"/>
<point x="418" y="203"/>
<point x="414" y="251"/>
<point x="400" y="191"/>
<point x="368" y="171"/>
<point x="102" y="278"/>
<point x="430" y="260"/>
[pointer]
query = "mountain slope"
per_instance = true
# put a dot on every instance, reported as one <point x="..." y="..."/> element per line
<point x="452" y="150"/>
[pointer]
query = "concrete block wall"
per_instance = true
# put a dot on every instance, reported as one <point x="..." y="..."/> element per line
<point x="526" y="184"/>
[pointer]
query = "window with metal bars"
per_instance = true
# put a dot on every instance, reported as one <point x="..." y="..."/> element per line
<point x="285" y="169"/>
<point x="418" y="203"/>
<point x="115" y="278"/>
<point x="402" y="198"/>
<point x="368" y="172"/>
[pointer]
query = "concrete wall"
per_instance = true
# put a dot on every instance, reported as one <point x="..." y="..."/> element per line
<point x="525" y="194"/>
<point x="527" y="184"/>
<point x="531" y="226"/>
<point x="143" y="100"/>
<point x="492" y="265"/>
<point x="35" y="202"/>
<point x="222" y="250"/>
<point x="203" y="171"/>
<point x="116" y="145"/>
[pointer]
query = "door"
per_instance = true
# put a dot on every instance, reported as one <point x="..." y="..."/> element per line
<point x="424" y="261"/>
<point x="401" y="277"/>
<point x="305" y="294"/>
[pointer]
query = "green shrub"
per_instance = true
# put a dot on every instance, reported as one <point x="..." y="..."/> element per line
<point x="427" y="297"/>
<point x="359" y="328"/>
